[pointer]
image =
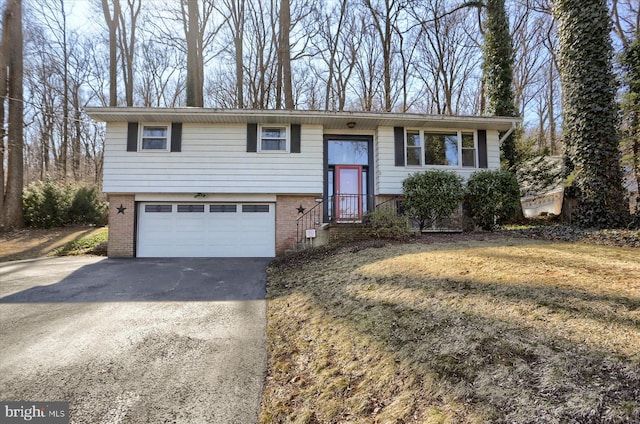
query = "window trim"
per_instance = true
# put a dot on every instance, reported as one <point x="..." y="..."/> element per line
<point x="423" y="146"/>
<point x="287" y="129"/>
<point x="141" y="127"/>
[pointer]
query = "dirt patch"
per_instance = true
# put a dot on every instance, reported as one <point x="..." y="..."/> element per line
<point x="30" y="243"/>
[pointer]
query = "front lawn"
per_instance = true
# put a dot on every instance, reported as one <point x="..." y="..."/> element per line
<point x="503" y="330"/>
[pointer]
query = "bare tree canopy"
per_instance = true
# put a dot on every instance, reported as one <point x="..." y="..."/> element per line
<point x="368" y="55"/>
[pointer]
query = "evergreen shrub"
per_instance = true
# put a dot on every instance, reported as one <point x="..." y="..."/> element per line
<point x="492" y="198"/>
<point x="387" y="224"/>
<point x="431" y="196"/>
<point x="49" y="205"/>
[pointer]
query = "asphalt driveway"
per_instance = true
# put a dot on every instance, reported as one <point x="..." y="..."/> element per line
<point x="137" y="340"/>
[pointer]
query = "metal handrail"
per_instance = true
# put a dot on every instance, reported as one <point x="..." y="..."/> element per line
<point x="340" y="208"/>
<point x="310" y="220"/>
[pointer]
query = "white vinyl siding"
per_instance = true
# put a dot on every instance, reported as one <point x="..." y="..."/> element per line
<point x="389" y="177"/>
<point x="214" y="159"/>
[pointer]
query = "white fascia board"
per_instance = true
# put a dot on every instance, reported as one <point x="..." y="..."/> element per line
<point x="336" y="120"/>
<point x="203" y="197"/>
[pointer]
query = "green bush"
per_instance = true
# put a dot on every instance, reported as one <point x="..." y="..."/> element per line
<point x="48" y="205"/>
<point x="492" y="198"/>
<point x="87" y="208"/>
<point x="431" y="196"/>
<point x="387" y="224"/>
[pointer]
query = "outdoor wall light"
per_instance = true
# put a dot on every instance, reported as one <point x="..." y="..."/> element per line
<point x="351" y="124"/>
<point x="200" y="195"/>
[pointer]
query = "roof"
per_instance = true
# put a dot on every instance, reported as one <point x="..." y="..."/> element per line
<point x="337" y="120"/>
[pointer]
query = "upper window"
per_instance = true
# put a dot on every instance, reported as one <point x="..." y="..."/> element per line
<point x="155" y="137"/>
<point x="273" y="139"/>
<point x="440" y="148"/>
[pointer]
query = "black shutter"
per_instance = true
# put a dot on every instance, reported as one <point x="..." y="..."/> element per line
<point x="483" y="161"/>
<point x="132" y="137"/>
<point x="398" y="137"/>
<point x="252" y="137"/>
<point x="176" y="137"/>
<point x="295" y="138"/>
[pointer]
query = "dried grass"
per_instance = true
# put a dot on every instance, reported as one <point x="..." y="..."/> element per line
<point x="505" y="330"/>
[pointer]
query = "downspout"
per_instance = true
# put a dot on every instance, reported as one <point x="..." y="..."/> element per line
<point x="508" y="133"/>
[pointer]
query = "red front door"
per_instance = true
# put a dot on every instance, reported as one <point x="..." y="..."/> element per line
<point x="348" y="193"/>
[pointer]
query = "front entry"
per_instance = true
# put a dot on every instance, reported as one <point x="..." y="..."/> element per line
<point x="348" y="185"/>
<point x="348" y="193"/>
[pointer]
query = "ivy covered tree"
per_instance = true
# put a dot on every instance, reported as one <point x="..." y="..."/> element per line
<point x="590" y="115"/>
<point x="498" y="71"/>
<point x="631" y="109"/>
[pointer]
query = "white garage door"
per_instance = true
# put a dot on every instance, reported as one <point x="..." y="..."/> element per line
<point x="206" y="230"/>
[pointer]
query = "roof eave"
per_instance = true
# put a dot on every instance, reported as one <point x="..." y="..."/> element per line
<point x="337" y="120"/>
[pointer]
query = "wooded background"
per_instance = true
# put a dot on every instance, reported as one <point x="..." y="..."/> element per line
<point x="339" y="55"/>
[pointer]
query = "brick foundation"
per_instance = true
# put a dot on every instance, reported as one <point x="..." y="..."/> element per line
<point x="121" y="226"/>
<point x="286" y="215"/>
<point x="341" y="233"/>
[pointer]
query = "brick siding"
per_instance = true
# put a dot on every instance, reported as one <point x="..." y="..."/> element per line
<point x="286" y="215"/>
<point x="121" y="226"/>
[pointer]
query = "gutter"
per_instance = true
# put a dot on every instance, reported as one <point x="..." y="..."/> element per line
<point x="508" y="133"/>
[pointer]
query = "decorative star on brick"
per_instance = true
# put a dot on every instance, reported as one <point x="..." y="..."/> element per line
<point x="300" y="208"/>
<point x="121" y="209"/>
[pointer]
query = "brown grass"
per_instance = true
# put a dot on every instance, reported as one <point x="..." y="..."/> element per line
<point x="30" y="243"/>
<point x="505" y="330"/>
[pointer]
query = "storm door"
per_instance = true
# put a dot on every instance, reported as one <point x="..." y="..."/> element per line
<point x="348" y="178"/>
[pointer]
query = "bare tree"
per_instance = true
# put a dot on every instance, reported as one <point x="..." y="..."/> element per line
<point x="261" y="54"/>
<point x="625" y="15"/>
<point x="284" y="57"/>
<point x="127" y="41"/>
<point x="448" y="58"/>
<point x="40" y="77"/>
<point x="384" y="21"/>
<point x="112" y="19"/>
<point x="367" y="84"/>
<point x="159" y="75"/>
<point x="236" y="10"/>
<point x="336" y="45"/>
<point x="12" y="94"/>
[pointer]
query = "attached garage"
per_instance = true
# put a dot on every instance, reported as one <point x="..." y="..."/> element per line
<point x="206" y="229"/>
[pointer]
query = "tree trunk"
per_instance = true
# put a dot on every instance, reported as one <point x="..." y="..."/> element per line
<point x="590" y="113"/>
<point x="127" y="47"/>
<point x="12" y="43"/>
<point x="112" y="24"/>
<point x="65" y="95"/>
<point x="238" y="37"/>
<point x="4" y="43"/>
<point x="552" y="118"/>
<point x="194" y="85"/>
<point x="284" y="88"/>
<point x="498" y="71"/>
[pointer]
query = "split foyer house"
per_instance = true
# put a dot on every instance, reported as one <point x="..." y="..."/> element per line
<point x="201" y="182"/>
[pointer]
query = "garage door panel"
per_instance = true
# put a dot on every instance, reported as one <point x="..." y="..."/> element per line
<point x="206" y="230"/>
